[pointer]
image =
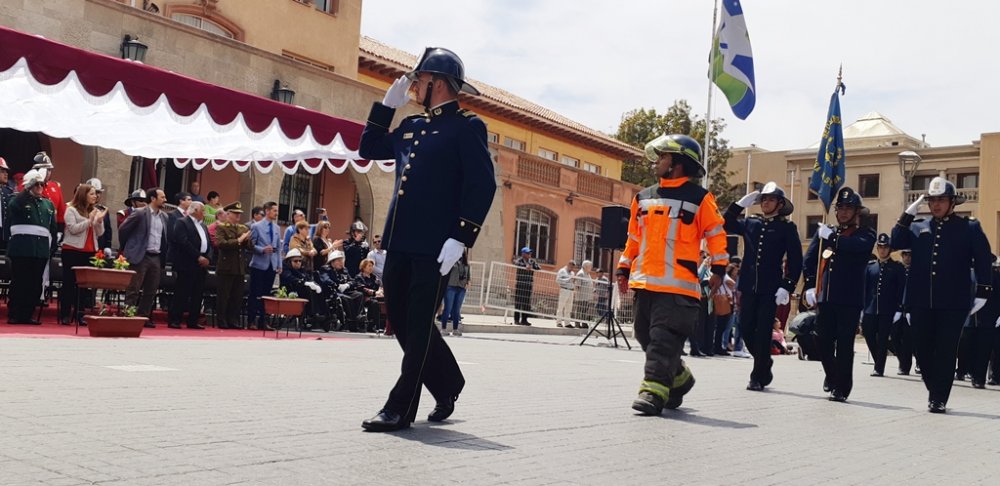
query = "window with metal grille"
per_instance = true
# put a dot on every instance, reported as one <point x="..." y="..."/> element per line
<point x="535" y="229"/>
<point x="296" y="193"/>
<point x="588" y="242"/>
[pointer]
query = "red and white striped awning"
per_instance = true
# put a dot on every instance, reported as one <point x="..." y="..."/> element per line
<point x="141" y="110"/>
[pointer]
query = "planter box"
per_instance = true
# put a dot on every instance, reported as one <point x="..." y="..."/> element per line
<point x="284" y="307"/>
<point x="110" y="326"/>
<point x="102" y="278"/>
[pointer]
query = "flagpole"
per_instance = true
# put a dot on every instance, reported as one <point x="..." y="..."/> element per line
<point x="819" y="253"/>
<point x="708" y="112"/>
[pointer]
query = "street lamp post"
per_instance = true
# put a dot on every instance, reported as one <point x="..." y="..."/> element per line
<point x="909" y="161"/>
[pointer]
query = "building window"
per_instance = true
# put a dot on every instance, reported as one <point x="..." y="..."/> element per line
<point x="548" y="154"/>
<point x="587" y="245"/>
<point x="515" y="144"/>
<point x="921" y="182"/>
<point x="592" y="168"/>
<point x="328" y="6"/>
<point x="868" y="185"/>
<point x="570" y="161"/>
<point x="870" y="220"/>
<point x="203" y="24"/>
<point x="812" y="195"/>
<point x="535" y="229"/>
<point x="296" y="193"/>
<point x="492" y="137"/>
<point x="811" y="223"/>
<point x="967" y="181"/>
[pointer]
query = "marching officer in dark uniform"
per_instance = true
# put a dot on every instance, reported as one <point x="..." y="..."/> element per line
<point x="32" y="219"/>
<point x="234" y="243"/>
<point x="834" y="270"/>
<point x="764" y="285"/>
<point x="523" y="285"/>
<point x="885" y="280"/>
<point x="902" y="335"/>
<point x="940" y="289"/>
<point x="982" y="332"/>
<point x="444" y="187"/>
<point x="6" y="194"/>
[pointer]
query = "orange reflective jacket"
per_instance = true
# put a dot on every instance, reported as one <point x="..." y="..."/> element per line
<point x="665" y="231"/>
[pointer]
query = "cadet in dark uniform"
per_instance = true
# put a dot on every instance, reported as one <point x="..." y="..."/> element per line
<point x="234" y="243"/>
<point x="32" y="242"/>
<point x="902" y="336"/>
<point x="6" y="194"/>
<point x="842" y="253"/>
<point x="355" y="248"/>
<point x="763" y="284"/>
<point x="524" y="282"/>
<point x="444" y="188"/>
<point x="885" y="280"/>
<point x="940" y="289"/>
<point x="982" y="332"/>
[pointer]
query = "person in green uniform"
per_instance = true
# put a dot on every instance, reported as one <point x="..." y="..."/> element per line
<point x="32" y="240"/>
<point x="233" y="239"/>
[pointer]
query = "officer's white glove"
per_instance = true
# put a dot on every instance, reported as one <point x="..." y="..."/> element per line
<point x="748" y="200"/>
<point x="781" y="297"/>
<point x="998" y="322"/>
<point x="450" y="253"/>
<point x="824" y="231"/>
<point x="342" y="287"/>
<point x="977" y="304"/>
<point x="897" y="316"/>
<point x="908" y="321"/>
<point x="811" y="297"/>
<point x="398" y="94"/>
<point x="315" y="287"/>
<point x="913" y="208"/>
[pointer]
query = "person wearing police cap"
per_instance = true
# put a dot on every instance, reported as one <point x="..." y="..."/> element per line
<point x="901" y="340"/>
<point x="32" y="219"/>
<point x="524" y="283"/>
<point x="6" y="194"/>
<point x="444" y="187"/>
<point x="981" y="333"/>
<point x="885" y="280"/>
<point x="949" y="280"/>
<point x="53" y="190"/>
<point x="764" y="284"/>
<point x="355" y="247"/>
<point x="834" y="271"/>
<point x="235" y="244"/>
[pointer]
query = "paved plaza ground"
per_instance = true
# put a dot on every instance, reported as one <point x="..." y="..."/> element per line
<point x="537" y="410"/>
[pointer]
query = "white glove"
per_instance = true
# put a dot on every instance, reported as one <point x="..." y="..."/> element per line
<point x="315" y="287"/>
<point x="913" y="208"/>
<point x="398" y="94"/>
<point x="977" y="304"/>
<point x="908" y="321"/>
<point x="781" y="297"/>
<point x="824" y="231"/>
<point x="897" y="316"/>
<point x="811" y="297"/>
<point x="343" y="287"/>
<point x="450" y="253"/>
<point x="998" y="322"/>
<point x="748" y="200"/>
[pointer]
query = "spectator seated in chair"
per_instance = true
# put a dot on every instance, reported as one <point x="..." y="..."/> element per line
<point x="335" y="278"/>
<point x="297" y="280"/>
<point x="369" y="285"/>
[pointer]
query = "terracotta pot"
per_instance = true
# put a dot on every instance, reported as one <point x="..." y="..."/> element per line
<point x="102" y="278"/>
<point x="111" y="326"/>
<point x="284" y="307"/>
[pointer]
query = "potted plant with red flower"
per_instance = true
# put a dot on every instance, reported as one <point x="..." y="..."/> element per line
<point x="98" y="277"/>
<point x="115" y="321"/>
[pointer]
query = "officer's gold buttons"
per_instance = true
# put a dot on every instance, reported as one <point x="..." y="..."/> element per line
<point x="403" y="178"/>
<point x="400" y="192"/>
<point x="407" y="167"/>
<point x="423" y="132"/>
<point x="416" y="142"/>
<point x="462" y="224"/>
<point x="412" y="155"/>
<point x="475" y="230"/>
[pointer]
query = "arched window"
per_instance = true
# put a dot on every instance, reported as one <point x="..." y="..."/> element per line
<point x="297" y="192"/>
<point x="535" y="229"/>
<point x="203" y="24"/>
<point x="587" y="242"/>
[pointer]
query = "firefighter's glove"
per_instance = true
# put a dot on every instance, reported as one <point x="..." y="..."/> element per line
<point x="824" y="231"/>
<point x="450" y="253"/>
<point x="748" y="200"/>
<point x="811" y="297"/>
<point x="398" y="94"/>
<point x="913" y="208"/>
<point x="781" y="297"/>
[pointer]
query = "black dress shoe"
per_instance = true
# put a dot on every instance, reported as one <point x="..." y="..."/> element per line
<point x="755" y="386"/>
<point x="149" y="325"/>
<point x="935" y="407"/>
<point x="385" y="421"/>
<point x="442" y="410"/>
<point x="877" y="373"/>
<point x="826" y="386"/>
<point x="978" y="384"/>
<point x="195" y="326"/>
<point x="66" y="321"/>
<point x="837" y="397"/>
<point x="28" y="322"/>
<point x="174" y="325"/>
<point x="993" y="383"/>
<point x="959" y="376"/>
<point x="903" y="372"/>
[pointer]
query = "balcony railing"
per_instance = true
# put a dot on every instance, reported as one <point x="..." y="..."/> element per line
<point x="971" y="195"/>
<point x="538" y="170"/>
<point x="595" y="186"/>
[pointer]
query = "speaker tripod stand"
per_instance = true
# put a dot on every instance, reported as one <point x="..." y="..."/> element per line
<point x="613" y="327"/>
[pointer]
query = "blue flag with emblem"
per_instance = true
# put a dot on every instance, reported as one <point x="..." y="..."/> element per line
<point x="828" y="171"/>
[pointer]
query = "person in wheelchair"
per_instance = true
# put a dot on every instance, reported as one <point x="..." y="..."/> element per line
<point x="370" y="287"/>
<point x="295" y="279"/>
<point x="335" y="278"/>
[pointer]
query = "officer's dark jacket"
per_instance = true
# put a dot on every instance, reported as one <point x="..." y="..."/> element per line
<point x="294" y="280"/>
<point x="370" y="282"/>
<point x="354" y="252"/>
<point x="987" y="316"/>
<point x="332" y="278"/>
<point x="844" y="272"/>
<point x="6" y="194"/>
<point x="943" y="252"/>
<point x="884" y="286"/>
<point x="444" y="176"/>
<point x="766" y="241"/>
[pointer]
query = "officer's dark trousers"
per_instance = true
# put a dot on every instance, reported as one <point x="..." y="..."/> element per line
<point x="876" y="330"/>
<point x="983" y="339"/>
<point x="229" y="300"/>
<point x="836" y="326"/>
<point x="966" y="351"/>
<point x="756" y="324"/>
<point x="662" y="322"/>
<point x="261" y="283"/>
<point x="413" y="290"/>
<point x="902" y="341"/>
<point x="25" y="287"/>
<point x="937" y="333"/>
<point x="187" y="296"/>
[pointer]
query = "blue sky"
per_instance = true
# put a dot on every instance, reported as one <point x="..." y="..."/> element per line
<point x="924" y="64"/>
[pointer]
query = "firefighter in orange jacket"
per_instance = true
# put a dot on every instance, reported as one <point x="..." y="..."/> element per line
<point x="660" y="263"/>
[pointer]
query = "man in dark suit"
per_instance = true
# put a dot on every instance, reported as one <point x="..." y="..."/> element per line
<point x="145" y="235"/>
<point x="192" y="251"/>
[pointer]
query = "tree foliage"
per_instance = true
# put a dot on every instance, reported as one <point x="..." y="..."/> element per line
<point x="642" y="125"/>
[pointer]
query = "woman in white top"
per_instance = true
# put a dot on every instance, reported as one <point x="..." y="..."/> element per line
<point x="726" y="292"/>
<point x="84" y="225"/>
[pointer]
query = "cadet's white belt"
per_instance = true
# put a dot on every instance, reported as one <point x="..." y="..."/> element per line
<point x="30" y="229"/>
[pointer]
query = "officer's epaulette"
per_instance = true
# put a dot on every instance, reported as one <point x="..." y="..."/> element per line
<point x="970" y="218"/>
<point x="756" y="216"/>
<point x="466" y="113"/>
<point x="418" y="115"/>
